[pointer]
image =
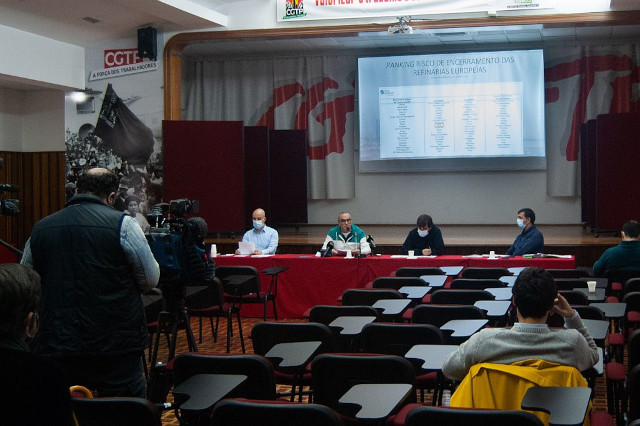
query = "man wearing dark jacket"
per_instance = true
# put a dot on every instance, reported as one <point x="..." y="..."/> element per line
<point x="94" y="262"/>
<point x="425" y="240"/>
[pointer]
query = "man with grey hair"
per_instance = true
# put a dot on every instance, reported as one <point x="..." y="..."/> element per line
<point x="94" y="262"/>
<point x="347" y="237"/>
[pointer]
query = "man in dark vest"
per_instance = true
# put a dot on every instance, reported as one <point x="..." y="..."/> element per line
<point x="94" y="262"/>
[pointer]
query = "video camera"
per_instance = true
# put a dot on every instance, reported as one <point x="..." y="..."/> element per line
<point x="168" y="237"/>
<point x="8" y="206"/>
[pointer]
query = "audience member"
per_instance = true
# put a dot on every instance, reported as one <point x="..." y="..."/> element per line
<point x="94" y="262"/>
<point x="264" y="237"/>
<point x="154" y="196"/>
<point x="535" y="297"/>
<point x="120" y="202"/>
<point x="133" y="210"/>
<point x="625" y="255"/>
<point x="531" y="239"/>
<point x="33" y="390"/>
<point x="425" y="240"/>
<point x="347" y="237"/>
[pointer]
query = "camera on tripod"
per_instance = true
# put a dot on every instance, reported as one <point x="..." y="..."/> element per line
<point x="168" y="236"/>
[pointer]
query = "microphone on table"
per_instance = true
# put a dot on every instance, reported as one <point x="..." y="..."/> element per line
<point x="372" y="243"/>
<point x="327" y="251"/>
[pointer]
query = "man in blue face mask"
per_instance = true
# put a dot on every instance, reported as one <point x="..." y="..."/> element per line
<point x="425" y="240"/>
<point x="530" y="241"/>
<point x="264" y="237"/>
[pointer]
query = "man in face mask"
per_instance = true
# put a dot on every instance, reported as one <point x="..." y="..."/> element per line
<point x="264" y="237"/>
<point x="530" y="240"/>
<point x="425" y="240"/>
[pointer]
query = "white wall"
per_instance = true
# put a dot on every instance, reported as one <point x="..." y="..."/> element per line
<point x="11" y="120"/>
<point x="40" y="59"/>
<point x="450" y="198"/>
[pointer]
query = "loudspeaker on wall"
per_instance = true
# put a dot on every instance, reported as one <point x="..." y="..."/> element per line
<point x="147" y="45"/>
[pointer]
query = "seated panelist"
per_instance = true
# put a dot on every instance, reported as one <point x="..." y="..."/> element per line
<point x="347" y="236"/>
<point x="530" y="240"/>
<point x="264" y="237"/>
<point x="425" y="240"/>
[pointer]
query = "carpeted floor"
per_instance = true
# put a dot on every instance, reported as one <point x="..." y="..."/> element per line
<point x="207" y="345"/>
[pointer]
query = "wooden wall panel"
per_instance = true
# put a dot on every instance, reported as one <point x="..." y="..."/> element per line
<point x="40" y="177"/>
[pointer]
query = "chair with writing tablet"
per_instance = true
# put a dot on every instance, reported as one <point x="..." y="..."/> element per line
<point x="479" y="272"/>
<point x="426" y="415"/>
<point x="568" y="273"/>
<point x="406" y="271"/>
<point x="476" y="283"/>
<point x="397" y="283"/>
<point x="243" y="412"/>
<point x="459" y="297"/>
<point x="397" y="339"/>
<point x="326" y="314"/>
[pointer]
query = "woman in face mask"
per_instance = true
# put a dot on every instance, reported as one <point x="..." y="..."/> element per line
<point x="425" y="240"/>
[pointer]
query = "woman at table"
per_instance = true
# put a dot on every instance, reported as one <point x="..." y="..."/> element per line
<point x="425" y="239"/>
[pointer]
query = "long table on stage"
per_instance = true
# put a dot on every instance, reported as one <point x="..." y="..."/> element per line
<point x="312" y="280"/>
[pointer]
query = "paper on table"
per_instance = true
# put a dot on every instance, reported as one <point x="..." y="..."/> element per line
<point x="246" y="248"/>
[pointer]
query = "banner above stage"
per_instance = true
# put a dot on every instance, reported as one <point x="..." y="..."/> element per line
<point x="300" y="10"/>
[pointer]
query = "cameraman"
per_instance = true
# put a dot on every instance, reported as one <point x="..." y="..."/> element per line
<point x="94" y="262"/>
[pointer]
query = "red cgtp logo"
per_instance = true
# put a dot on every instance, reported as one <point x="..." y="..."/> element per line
<point x="119" y="57"/>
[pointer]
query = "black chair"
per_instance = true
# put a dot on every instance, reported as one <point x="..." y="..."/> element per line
<point x="568" y="273"/>
<point x="397" y="339"/>
<point x="326" y="314"/>
<point x="265" y="335"/>
<point x="632" y="315"/>
<point x="631" y="285"/>
<point x="494" y="273"/>
<point x="368" y="297"/>
<point x="589" y="312"/>
<point x="476" y="283"/>
<point x="459" y="297"/>
<point x="438" y="315"/>
<point x="210" y="304"/>
<point x="617" y="279"/>
<point x="575" y="297"/>
<point x="417" y="272"/>
<point x="259" y="384"/>
<point x="237" y="412"/>
<point x="396" y="283"/>
<point x="565" y="284"/>
<point x="121" y="411"/>
<point x="633" y="389"/>
<point x="423" y="416"/>
<point x="333" y="375"/>
<point x="252" y="291"/>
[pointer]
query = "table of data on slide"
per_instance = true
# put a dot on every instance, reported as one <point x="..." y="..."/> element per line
<point x="451" y="120"/>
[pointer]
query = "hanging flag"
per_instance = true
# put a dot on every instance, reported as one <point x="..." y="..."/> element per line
<point x="122" y="131"/>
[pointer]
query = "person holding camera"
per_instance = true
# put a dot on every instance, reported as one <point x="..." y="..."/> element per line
<point x="94" y="262"/>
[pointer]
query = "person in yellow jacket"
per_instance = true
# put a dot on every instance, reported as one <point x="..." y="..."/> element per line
<point x="535" y="297"/>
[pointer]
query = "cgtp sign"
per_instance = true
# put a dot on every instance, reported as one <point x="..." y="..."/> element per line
<point x="119" y="57"/>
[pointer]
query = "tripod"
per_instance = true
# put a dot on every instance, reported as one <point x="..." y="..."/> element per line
<point x="173" y="318"/>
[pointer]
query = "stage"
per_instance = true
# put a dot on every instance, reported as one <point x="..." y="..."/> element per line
<point x="458" y="239"/>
